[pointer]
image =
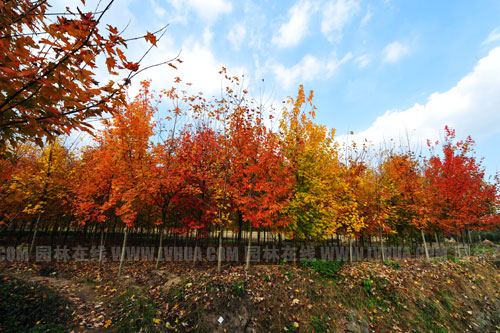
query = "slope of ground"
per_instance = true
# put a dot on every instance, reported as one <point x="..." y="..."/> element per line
<point x="442" y="295"/>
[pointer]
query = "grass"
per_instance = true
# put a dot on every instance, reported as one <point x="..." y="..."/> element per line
<point x="367" y="286"/>
<point x="138" y="313"/>
<point x="480" y="249"/>
<point x="291" y="327"/>
<point x="393" y="264"/>
<point x="328" y="269"/>
<point x="431" y="315"/>
<point x="319" y="324"/>
<point x="31" y="307"/>
<point x="239" y="288"/>
<point x="445" y="300"/>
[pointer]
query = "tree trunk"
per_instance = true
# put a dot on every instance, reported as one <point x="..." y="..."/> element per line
<point x="381" y="244"/>
<point x="350" y="249"/>
<point x="240" y="227"/>
<point x="122" y="257"/>
<point x="195" y="245"/>
<point x="101" y="247"/>
<point x="425" y="244"/>
<point x="94" y="232"/>
<point x="34" y="233"/>
<point x="158" y="257"/>
<point x="470" y="240"/>
<point x="219" y="252"/>
<point x="247" y="266"/>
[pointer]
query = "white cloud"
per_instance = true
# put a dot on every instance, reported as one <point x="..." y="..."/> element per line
<point x="201" y="68"/>
<point x="366" y="18"/>
<point x="160" y="11"/>
<point x="209" y="10"/>
<point x="493" y="36"/>
<point x="336" y="14"/>
<point x="236" y="35"/>
<point x="471" y="107"/>
<point x="208" y="35"/>
<point x="394" y="51"/>
<point x="363" y="60"/>
<point x="308" y="69"/>
<point x="292" y="32"/>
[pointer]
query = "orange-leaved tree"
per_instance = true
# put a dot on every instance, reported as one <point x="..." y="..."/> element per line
<point x="408" y="196"/>
<point x="48" y="79"/>
<point x="127" y="138"/>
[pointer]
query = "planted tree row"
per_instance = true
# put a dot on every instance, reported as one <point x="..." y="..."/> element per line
<point x="203" y="166"/>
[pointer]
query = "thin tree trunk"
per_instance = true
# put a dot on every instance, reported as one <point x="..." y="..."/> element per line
<point x="294" y="247"/>
<point x="94" y="232"/>
<point x="350" y="249"/>
<point x="219" y="253"/>
<point x="425" y="244"/>
<point x="195" y="245"/>
<point x="122" y="257"/>
<point x="158" y="257"/>
<point x="470" y="240"/>
<point x="381" y="244"/>
<point x="101" y="247"/>
<point x="34" y="233"/>
<point x="247" y="266"/>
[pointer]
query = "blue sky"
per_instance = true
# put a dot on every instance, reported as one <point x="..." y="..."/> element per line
<point x="378" y="68"/>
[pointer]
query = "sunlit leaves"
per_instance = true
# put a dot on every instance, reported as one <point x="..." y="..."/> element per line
<point x="458" y="196"/>
<point x="313" y="160"/>
<point x="47" y="75"/>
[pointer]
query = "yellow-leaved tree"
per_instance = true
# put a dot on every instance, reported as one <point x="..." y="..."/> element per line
<point x="312" y="155"/>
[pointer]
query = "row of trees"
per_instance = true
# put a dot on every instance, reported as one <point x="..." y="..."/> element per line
<point x="217" y="164"/>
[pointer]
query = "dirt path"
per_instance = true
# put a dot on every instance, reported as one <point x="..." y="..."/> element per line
<point x="90" y="309"/>
<point x="93" y="301"/>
